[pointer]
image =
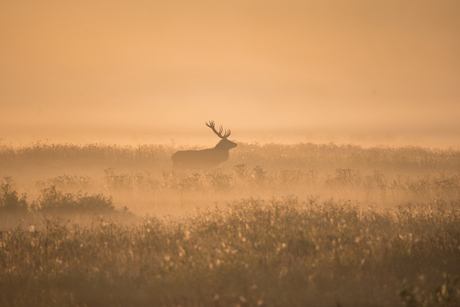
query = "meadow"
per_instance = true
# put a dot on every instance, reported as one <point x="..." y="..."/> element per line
<point x="276" y="225"/>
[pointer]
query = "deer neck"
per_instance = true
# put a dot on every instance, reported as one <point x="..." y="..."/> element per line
<point x="221" y="146"/>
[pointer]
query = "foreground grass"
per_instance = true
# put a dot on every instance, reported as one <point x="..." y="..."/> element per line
<point x="269" y="249"/>
<point x="256" y="253"/>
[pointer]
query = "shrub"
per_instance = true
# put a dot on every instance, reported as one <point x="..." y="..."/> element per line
<point x="10" y="202"/>
<point x="53" y="201"/>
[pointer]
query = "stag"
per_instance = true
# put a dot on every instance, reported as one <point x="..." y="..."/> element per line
<point x="206" y="158"/>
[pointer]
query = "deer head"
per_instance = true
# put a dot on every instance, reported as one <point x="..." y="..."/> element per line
<point x="224" y="144"/>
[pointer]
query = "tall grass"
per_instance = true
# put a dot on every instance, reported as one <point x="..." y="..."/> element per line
<point x="256" y="253"/>
<point x="270" y="156"/>
<point x="291" y="225"/>
<point x="142" y="177"/>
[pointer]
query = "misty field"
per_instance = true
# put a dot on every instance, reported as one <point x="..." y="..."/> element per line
<point x="275" y="225"/>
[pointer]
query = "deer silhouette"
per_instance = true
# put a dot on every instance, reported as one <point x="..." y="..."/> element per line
<point x="206" y="158"/>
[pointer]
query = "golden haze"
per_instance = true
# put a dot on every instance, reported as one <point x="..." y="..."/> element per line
<point x="150" y="71"/>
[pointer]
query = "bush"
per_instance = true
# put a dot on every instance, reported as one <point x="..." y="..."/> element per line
<point x="54" y="201"/>
<point x="10" y="202"/>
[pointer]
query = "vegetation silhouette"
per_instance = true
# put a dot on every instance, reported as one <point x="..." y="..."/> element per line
<point x="285" y="225"/>
<point x="206" y="158"/>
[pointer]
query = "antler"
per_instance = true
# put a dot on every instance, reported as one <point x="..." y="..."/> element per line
<point x="219" y="133"/>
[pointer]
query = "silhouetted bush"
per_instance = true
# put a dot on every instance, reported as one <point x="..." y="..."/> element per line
<point x="10" y="202"/>
<point x="54" y="201"/>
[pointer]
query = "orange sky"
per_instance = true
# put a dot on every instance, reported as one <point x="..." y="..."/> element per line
<point x="98" y="70"/>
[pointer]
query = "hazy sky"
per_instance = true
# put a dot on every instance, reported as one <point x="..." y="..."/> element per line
<point x="85" y="70"/>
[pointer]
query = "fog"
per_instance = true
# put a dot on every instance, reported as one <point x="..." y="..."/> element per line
<point x="294" y="215"/>
<point x="152" y="72"/>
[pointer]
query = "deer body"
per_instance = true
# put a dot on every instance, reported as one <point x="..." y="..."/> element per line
<point x="206" y="158"/>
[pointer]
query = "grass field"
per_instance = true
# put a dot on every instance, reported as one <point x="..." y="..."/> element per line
<point x="275" y="225"/>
